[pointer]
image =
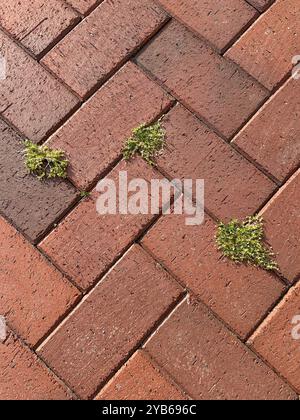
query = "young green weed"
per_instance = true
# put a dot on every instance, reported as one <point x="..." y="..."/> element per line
<point x="85" y="194"/>
<point x="243" y="242"/>
<point x="146" y="141"/>
<point x="44" y="162"/>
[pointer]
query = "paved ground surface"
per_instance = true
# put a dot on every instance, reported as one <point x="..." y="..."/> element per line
<point x="140" y="306"/>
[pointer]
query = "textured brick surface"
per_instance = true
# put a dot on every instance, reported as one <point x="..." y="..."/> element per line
<point x="86" y="243"/>
<point x="218" y="22"/>
<point x="37" y="23"/>
<point x="31" y="306"/>
<point x="283" y="227"/>
<point x="31" y="99"/>
<point x="30" y="204"/>
<point x="209" y="362"/>
<point x="267" y="49"/>
<point x="218" y="77"/>
<point x="211" y="86"/>
<point x="233" y="186"/>
<point x="277" y="340"/>
<point x="83" y="6"/>
<point x="261" y="4"/>
<point x="111" y="322"/>
<point x="24" y="377"/>
<point x="103" y="41"/>
<point x="272" y="138"/>
<point x="101" y="126"/>
<point x="140" y="379"/>
<point x="240" y="295"/>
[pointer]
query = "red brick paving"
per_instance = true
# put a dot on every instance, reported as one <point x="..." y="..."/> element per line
<point x="31" y="307"/>
<point x="272" y="138"/>
<point x="29" y="94"/>
<point x="219" y="92"/>
<point x="141" y="379"/>
<point x="101" y="126"/>
<point x="239" y="295"/>
<point x="266" y="51"/>
<point x="261" y="5"/>
<point x="210" y="363"/>
<point x="113" y="320"/>
<point x="274" y="340"/>
<point x="25" y="377"/>
<point x="283" y="227"/>
<point x="37" y="24"/>
<point x="32" y="206"/>
<point x="233" y="187"/>
<point x="217" y="22"/>
<point x="231" y="119"/>
<point x="83" y="6"/>
<point x="86" y="244"/>
<point x="103" y="41"/>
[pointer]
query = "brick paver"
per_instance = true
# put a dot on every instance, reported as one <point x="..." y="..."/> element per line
<point x="272" y="138"/>
<point x="261" y="4"/>
<point x="143" y="306"/>
<point x="277" y="340"/>
<point x="86" y="243"/>
<point x="209" y="362"/>
<point x="283" y="227"/>
<point x="37" y="24"/>
<point x="111" y="322"/>
<point x="24" y="377"/>
<point x="31" y="205"/>
<point x="218" y="22"/>
<point x="29" y="94"/>
<point x="103" y="41"/>
<point x="101" y="126"/>
<point x="83" y="6"/>
<point x="267" y="49"/>
<point x="241" y="296"/>
<point x="216" y="89"/>
<point x="31" y="306"/>
<point x="140" y="379"/>
<point x="233" y="186"/>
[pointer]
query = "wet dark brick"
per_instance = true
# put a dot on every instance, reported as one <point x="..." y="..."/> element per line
<point x="37" y="24"/>
<point x="261" y="5"/>
<point x="30" y="204"/>
<point x="215" y="89"/>
<point x="31" y="99"/>
<point x="103" y="41"/>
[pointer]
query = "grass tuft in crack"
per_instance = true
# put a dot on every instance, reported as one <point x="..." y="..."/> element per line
<point x="44" y="162"/>
<point x="146" y="141"/>
<point x="243" y="242"/>
<point x="85" y="194"/>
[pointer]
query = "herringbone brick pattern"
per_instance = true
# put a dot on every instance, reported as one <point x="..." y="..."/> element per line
<point x="143" y="306"/>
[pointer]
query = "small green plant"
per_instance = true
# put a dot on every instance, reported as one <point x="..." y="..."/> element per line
<point x="84" y="194"/>
<point x="146" y="141"/>
<point x="44" y="162"/>
<point x="243" y="242"/>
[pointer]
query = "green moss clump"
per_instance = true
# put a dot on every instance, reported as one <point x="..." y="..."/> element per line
<point x="243" y="242"/>
<point x="85" y="194"/>
<point x="44" y="162"/>
<point x="146" y="141"/>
